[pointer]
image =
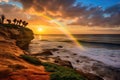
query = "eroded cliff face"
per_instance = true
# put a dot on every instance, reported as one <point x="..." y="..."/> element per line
<point x="12" y="67"/>
<point x="22" y="36"/>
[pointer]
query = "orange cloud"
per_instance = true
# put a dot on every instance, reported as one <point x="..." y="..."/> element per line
<point x="4" y="0"/>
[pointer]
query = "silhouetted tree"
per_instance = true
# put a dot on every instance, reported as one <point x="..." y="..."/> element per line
<point x="9" y="21"/>
<point x="2" y="18"/>
<point x="15" y="20"/>
<point x="20" y="22"/>
<point x="25" y="24"/>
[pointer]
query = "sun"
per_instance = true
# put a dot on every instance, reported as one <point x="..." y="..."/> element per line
<point x="40" y="29"/>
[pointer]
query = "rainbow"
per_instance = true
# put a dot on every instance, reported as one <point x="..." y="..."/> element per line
<point x="62" y="28"/>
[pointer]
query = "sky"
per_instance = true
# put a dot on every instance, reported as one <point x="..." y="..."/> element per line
<point x="57" y="16"/>
<point x="103" y="3"/>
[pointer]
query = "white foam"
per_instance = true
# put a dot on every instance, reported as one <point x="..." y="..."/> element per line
<point x="107" y="56"/>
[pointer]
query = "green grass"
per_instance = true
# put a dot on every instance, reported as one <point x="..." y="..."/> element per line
<point x="57" y="72"/>
<point x="62" y="73"/>
<point x="31" y="59"/>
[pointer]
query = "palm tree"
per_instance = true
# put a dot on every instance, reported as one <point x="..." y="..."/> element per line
<point x="20" y="22"/>
<point x="9" y="21"/>
<point x="2" y="18"/>
<point x="15" y="20"/>
<point x="23" y="23"/>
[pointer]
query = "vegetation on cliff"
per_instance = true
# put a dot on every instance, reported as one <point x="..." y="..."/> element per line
<point x="62" y="73"/>
<point x="15" y="21"/>
<point x="57" y="72"/>
<point x="31" y="59"/>
<point x="16" y="29"/>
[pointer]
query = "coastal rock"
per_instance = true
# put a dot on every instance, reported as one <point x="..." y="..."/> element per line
<point x="108" y="72"/>
<point x="46" y="52"/>
<point x="10" y="63"/>
<point x="60" y="46"/>
<point x="63" y="62"/>
<point x="95" y="70"/>
<point x="22" y="36"/>
<point x="90" y="76"/>
<point x="12" y="67"/>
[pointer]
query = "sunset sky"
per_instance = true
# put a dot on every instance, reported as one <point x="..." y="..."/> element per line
<point x="75" y="16"/>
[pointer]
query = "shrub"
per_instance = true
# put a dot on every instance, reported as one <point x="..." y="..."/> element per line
<point x="31" y="59"/>
<point x="62" y="73"/>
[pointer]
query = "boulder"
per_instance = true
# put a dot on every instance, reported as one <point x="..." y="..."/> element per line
<point x="44" y="53"/>
<point x="63" y="62"/>
<point x="90" y="76"/>
<point x="60" y="46"/>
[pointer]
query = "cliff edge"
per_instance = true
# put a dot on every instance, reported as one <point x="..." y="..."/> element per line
<point x="21" y="35"/>
<point x="13" y="40"/>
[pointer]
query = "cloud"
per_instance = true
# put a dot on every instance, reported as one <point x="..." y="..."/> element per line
<point x="66" y="10"/>
<point x="4" y="0"/>
<point x="114" y="12"/>
<point x="95" y="16"/>
<point x="113" y="9"/>
<point x="12" y="11"/>
<point x="50" y="7"/>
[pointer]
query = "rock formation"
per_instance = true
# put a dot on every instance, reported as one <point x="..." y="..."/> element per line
<point x="12" y="67"/>
<point x="22" y="35"/>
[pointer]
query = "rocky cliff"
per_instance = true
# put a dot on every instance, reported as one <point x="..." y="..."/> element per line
<point x="21" y="35"/>
<point x="13" y="40"/>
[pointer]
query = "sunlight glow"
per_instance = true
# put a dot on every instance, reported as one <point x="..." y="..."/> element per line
<point x="61" y="27"/>
<point x="40" y="29"/>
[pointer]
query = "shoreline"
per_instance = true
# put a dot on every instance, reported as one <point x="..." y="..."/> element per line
<point x="78" y="58"/>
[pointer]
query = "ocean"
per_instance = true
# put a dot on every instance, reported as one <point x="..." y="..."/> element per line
<point x="110" y="41"/>
<point x="100" y="54"/>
